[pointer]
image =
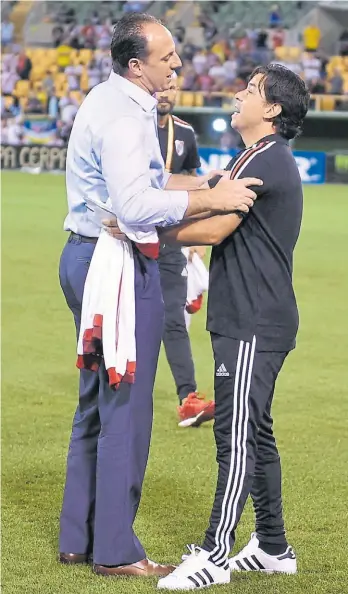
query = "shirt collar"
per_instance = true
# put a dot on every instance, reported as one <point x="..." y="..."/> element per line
<point x="144" y="99"/>
<point x="272" y="138"/>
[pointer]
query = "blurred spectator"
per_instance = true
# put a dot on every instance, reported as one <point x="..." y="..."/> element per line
<point x="94" y="74"/>
<point x="278" y="38"/>
<point x="311" y="38"/>
<point x="63" y="56"/>
<point x="104" y="62"/>
<point x="246" y="67"/>
<point x="343" y="43"/>
<point x="131" y="6"/>
<point x="88" y="35"/>
<point x="217" y="70"/>
<point x="41" y="95"/>
<point x="8" y="80"/>
<point x="66" y="14"/>
<point x="68" y="109"/>
<point x="188" y="51"/>
<point x="34" y="104"/>
<point x="72" y="35"/>
<point x="311" y="67"/>
<point x="230" y="68"/>
<point x="53" y="104"/>
<point x="275" y="18"/>
<point x="189" y="76"/>
<point x="24" y="66"/>
<point x="204" y="82"/>
<point x="179" y="33"/>
<point x="95" y="19"/>
<point x="317" y="86"/>
<point x="199" y="61"/>
<point x="4" y="130"/>
<point x="15" y="131"/>
<point x="57" y="35"/>
<point x="336" y="83"/>
<point x="262" y="39"/>
<point x="7" y="29"/>
<point x="103" y="36"/>
<point x="262" y="52"/>
<point x="73" y="74"/>
<point x="209" y="27"/>
<point x="48" y="83"/>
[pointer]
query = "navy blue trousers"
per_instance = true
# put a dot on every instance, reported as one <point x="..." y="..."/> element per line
<point x="111" y="430"/>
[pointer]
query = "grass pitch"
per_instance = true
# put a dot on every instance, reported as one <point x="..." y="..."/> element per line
<point x="39" y="387"/>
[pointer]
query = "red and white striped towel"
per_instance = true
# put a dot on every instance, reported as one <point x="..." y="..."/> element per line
<point x="108" y="308"/>
<point x="197" y="284"/>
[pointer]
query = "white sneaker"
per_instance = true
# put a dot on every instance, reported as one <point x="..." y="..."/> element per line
<point x="252" y="558"/>
<point x="196" y="571"/>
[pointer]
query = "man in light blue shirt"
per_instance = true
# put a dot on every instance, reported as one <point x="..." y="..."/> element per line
<point x="7" y="29"/>
<point x="114" y="154"/>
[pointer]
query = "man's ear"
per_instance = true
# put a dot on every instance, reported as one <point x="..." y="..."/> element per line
<point x="134" y="66"/>
<point x="273" y="110"/>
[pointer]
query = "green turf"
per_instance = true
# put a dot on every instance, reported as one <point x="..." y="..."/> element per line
<point x="39" y="394"/>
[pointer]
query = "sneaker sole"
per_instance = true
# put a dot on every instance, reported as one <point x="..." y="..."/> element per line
<point x="196" y="421"/>
<point x="190" y="588"/>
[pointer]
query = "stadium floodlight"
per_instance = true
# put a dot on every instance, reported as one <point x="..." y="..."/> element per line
<point x="219" y="125"/>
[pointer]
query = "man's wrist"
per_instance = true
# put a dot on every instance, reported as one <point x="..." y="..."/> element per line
<point x="210" y="200"/>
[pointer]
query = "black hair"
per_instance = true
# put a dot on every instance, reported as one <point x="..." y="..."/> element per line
<point x="282" y="86"/>
<point x="129" y="41"/>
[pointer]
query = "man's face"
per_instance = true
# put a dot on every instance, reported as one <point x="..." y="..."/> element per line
<point x="251" y="107"/>
<point x="166" y="99"/>
<point x="162" y="60"/>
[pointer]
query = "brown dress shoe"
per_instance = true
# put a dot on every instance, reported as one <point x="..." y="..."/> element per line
<point x="144" y="568"/>
<point x="73" y="558"/>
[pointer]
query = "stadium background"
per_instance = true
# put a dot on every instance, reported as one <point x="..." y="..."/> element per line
<point x="52" y="54"/>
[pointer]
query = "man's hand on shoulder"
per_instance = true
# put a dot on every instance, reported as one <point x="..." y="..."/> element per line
<point x="231" y="195"/>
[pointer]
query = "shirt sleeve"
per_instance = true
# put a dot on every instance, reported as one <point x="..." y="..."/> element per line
<point x="257" y="165"/>
<point x="192" y="160"/>
<point x="126" y="169"/>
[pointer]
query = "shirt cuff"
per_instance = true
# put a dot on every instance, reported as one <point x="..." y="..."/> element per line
<point x="178" y="201"/>
<point x="166" y="177"/>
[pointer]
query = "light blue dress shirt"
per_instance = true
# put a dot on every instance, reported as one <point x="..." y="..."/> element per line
<point x="114" y="153"/>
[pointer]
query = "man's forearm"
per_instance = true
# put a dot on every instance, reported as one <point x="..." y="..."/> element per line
<point x="182" y="181"/>
<point x="211" y="231"/>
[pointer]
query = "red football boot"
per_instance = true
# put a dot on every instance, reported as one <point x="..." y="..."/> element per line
<point x="195" y="410"/>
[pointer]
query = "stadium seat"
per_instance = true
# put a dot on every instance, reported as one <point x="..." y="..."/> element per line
<point x="187" y="98"/>
<point x="60" y="79"/>
<point x="327" y="103"/>
<point x="199" y="99"/>
<point x="62" y="90"/>
<point x="85" y="56"/>
<point x="38" y="72"/>
<point x="84" y="82"/>
<point x="53" y="69"/>
<point x="22" y="88"/>
<point x="74" y="57"/>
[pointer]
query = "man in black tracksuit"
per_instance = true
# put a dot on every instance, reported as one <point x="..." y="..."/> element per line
<point x="180" y="154"/>
<point x="253" y="321"/>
